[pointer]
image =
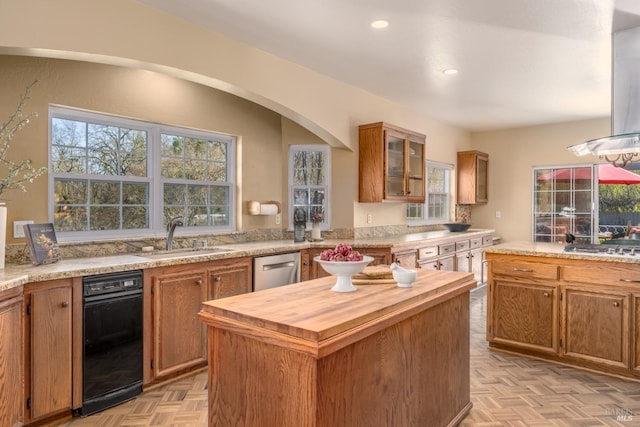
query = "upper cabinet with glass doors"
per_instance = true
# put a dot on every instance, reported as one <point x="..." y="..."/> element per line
<point x="392" y="164"/>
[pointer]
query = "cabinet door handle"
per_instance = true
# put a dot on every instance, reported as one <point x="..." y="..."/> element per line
<point x="64" y="304"/>
<point x="523" y="270"/>
<point x="199" y="282"/>
<point x="616" y="304"/>
<point x="630" y="281"/>
<point x="218" y="278"/>
<point x="546" y="294"/>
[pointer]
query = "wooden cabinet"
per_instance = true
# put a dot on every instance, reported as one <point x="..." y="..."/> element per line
<point x="230" y="277"/>
<point x="380" y="256"/>
<point x="635" y="322"/>
<point x="406" y="259"/>
<point x="596" y="326"/>
<point x="391" y="164"/>
<point x="523" y="315"/>
<point x="470" y="258"/>
<point x="48" y="348"/>
<point x="178" y="339"/>
<point x="305" y="265"/>
<point x="11" y="361"/>
<point x="473" y="168"/>
<point x="580" y="312"/>
<point x="441" y="257"/>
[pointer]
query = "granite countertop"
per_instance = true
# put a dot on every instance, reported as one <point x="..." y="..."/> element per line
<point x="17" y="275"/>
<point x="555" y="250"/>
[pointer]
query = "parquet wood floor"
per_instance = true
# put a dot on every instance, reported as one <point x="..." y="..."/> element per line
<point x="506" y="391"/>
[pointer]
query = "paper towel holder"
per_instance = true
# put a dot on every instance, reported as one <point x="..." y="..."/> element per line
<point x="270" y="207"/>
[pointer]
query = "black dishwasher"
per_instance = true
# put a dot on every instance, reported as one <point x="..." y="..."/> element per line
<point x="112" y="340"/>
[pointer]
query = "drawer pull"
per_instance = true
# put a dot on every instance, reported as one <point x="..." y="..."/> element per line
<point x="523" y="270"/>
<point x="199" y="282"/>
<point x="629" y="281"/>
<point x="546" y="294"/>
<point x="64" y="304"/>
<point x="218" y="279"/>
<point x="616" y="304"/>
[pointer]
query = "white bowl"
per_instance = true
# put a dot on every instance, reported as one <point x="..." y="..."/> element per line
<point x="405" y="278"/>
<point x="343" y="270"/>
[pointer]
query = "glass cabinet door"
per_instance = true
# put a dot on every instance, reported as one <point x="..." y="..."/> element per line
<point x="481" y="179"/>
<point x="416" y="169"/>
<point x="395" y="164"/>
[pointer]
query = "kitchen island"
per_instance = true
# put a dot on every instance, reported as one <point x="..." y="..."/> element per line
<point x="302" y="355"/>
<point x="581" y="309"/>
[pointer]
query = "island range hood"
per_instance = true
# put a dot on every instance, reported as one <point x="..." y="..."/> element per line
<point x="623" y="146"/>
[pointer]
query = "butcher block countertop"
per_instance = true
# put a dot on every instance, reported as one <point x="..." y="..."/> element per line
<point x="311" y="311"/>
<point x="304" y="355"/>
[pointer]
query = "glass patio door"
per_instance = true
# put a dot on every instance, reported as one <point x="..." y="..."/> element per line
<point x="563" y="202"/>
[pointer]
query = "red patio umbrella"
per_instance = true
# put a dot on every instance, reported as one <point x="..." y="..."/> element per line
<point x="607" y="174"/>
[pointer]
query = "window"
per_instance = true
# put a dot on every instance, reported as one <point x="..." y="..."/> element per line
<point x="118" y="177"/>
<point x="563" y="202"/>
<point x="437" y="206"/>
<point x="309" y="181"/>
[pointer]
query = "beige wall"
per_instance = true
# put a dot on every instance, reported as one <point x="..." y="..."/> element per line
<point x="141" y="95"/>
<point x="512" y="154"/>
<point x="127" y="33"/>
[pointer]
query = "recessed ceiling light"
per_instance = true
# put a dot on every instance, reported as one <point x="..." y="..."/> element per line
<point x="379" y="24"/>
<point x="450" y="71"/>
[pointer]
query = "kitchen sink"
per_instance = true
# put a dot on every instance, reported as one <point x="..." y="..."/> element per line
<point x="182" y="253"/>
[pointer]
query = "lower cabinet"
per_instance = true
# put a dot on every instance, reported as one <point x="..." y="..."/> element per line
<point x="48" y="349"/>
<point x="635" y="321"/>
<point x="596" y="326"/>
<point x="584" y="313"/>
<point x="380" y="256"/>
<point x="11" y="361"/>
<point x="524" y="315"/>
<point x="179" y="339"/>
<point x="441" y="257"/>
<point x="230" y="277"/>
<point x="406" y="259"/>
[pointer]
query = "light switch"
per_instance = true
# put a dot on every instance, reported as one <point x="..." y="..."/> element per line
<point x="18" y="230"/>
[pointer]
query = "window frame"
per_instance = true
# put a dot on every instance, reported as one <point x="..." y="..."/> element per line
<point x="594" y="211"/>
<point x="426" y="220"/>
<point x="326" y="223"/>
<point x="154" y="179"/>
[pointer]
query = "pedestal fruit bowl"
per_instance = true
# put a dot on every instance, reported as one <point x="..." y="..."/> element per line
<point x="343" y="262"/>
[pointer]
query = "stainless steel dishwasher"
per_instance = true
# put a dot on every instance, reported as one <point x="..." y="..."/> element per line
<point x="276" y="270"/>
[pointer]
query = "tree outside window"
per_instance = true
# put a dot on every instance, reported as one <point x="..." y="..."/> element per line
<point x="309" y="181"/>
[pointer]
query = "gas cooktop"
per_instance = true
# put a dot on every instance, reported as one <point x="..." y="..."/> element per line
<point x="585" y="248"/>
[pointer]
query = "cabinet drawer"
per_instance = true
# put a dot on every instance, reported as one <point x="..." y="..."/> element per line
<point x="462" y="245"/>
<point x="446" y="249"/>
<point x="532" y="270"/>
<point x="428" y="252"/>
<point x="628" y="275"/>
<point x="476" y="243"/>
<point x="487" y="241"/>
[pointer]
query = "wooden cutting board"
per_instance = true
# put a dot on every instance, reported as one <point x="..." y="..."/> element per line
<point x="372" y="281"/>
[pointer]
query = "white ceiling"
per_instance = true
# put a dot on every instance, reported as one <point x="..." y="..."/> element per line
<point x="521" y="62"/>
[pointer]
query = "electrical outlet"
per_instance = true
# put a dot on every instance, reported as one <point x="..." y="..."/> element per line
<point x="369" y="218"/>
<point x="18" y="230"/>
<point x="277" y="219"/>
<point x="498" y="214"/>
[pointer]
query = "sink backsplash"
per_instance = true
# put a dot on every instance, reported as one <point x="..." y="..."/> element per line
<point x="19" y="254"/>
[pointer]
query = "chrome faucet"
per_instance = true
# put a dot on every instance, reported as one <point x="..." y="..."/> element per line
<point x="171" y="227"/>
